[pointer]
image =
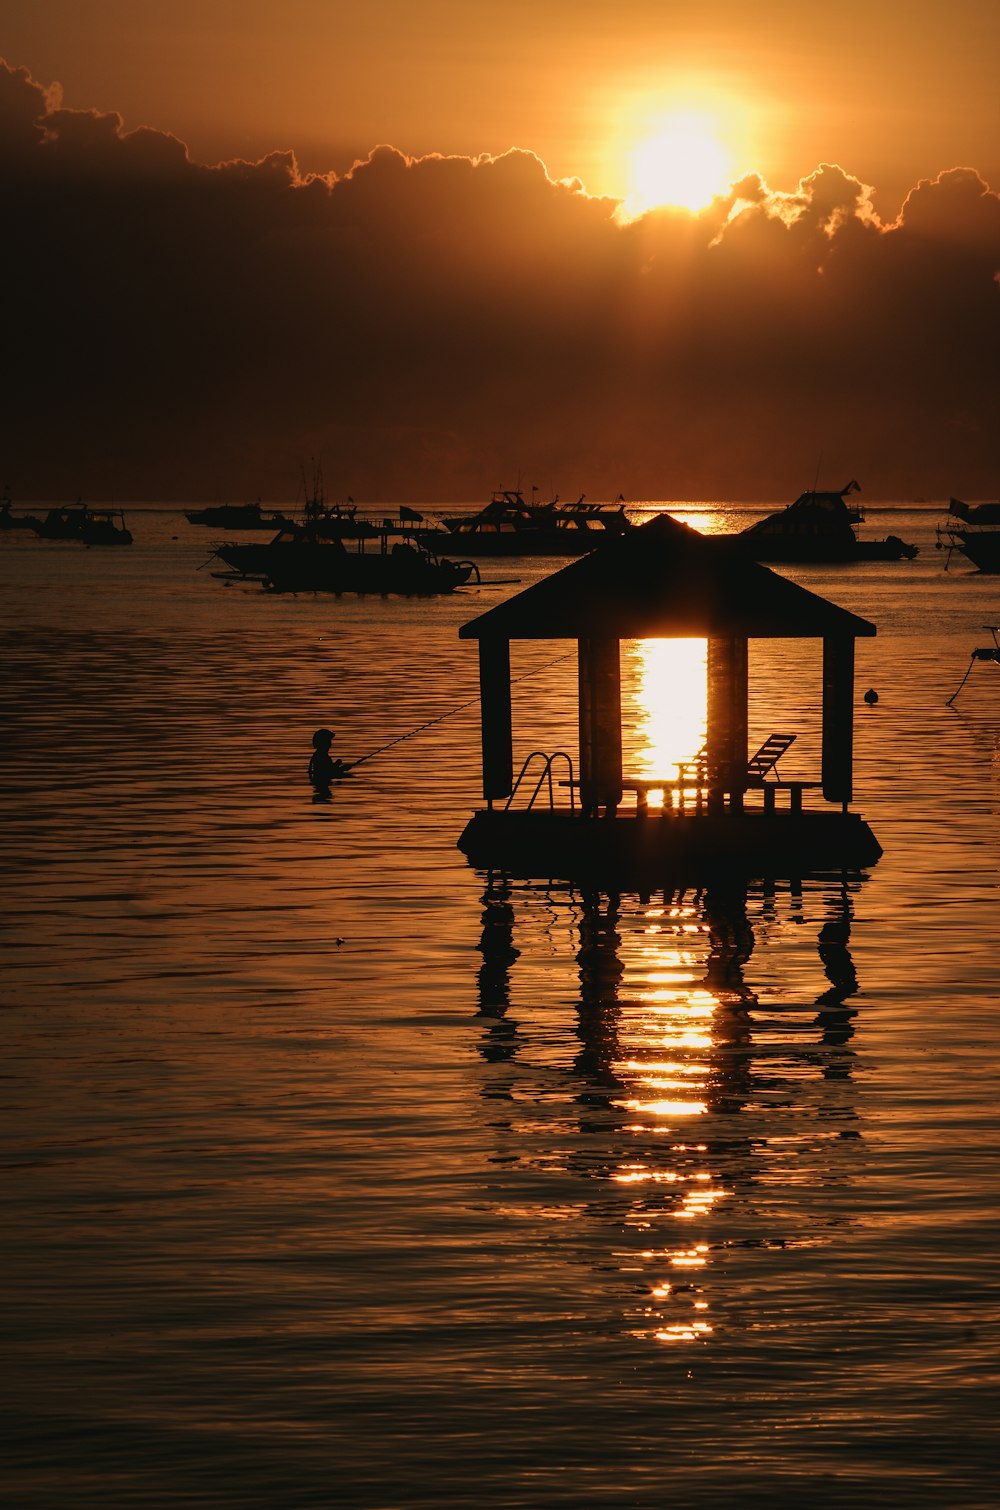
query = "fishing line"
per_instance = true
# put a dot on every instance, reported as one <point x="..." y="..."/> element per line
<point x="452" y="711"/>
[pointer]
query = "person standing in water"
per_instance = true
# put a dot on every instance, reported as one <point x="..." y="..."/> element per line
<point x="322" y="767"/>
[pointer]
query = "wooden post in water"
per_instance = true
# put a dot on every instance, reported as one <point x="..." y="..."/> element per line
<point x="600" y="723"/>
<point x="494" y="694"/>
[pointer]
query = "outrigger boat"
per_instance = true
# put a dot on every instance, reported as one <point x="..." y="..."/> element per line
<point x="973" y="529"/>
<point x="818" y="528"/>
<point x="508" y="526"/>
<point x="302" y="559"/>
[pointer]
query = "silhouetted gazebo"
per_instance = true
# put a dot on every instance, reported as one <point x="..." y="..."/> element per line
<point x="664" y="580"/>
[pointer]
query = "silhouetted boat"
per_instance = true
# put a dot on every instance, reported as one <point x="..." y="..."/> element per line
<point x="973" y="529"/>
<point x="508" y="526"/>
<point x="818" y="528"/>
<point x="236" y="516"/>
<point x="61" y="523"/>
<point x="299" y="559"/>
<point x="105" y="527"/>
<point x="89" y="526"/>
<point x="975" y="513"/>
<point x="339" y="521"/>
<point x="9" y="521"/>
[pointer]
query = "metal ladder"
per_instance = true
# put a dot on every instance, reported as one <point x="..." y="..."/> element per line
<point x="545" y="778"/>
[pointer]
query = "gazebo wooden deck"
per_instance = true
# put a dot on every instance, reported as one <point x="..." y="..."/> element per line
<point x="665" y="580"/>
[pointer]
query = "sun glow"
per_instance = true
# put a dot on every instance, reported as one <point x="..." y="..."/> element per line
<point x="672" y="698"/>
<point x="681" y="163"/>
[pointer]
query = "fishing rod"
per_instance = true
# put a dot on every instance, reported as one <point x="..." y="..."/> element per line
<point x="451" y="713"/>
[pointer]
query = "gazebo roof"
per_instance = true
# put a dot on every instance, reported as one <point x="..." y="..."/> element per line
<point x="664" y="580"/>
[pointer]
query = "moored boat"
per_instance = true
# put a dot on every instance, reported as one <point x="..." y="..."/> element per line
<point x="235" y="516"/>
<point x="9" y="521"/>
<point x="62" y="523"/>
<point x="89" y="526"/>
<point x="300" y="559"/>
<point x="105" y="527"/>
<point x="974" y="530"/>
<point x="508" y="526"/>
<point x="818" y="528"/>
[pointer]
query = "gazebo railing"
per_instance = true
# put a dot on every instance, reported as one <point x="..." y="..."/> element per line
<point x="544" y="779"/>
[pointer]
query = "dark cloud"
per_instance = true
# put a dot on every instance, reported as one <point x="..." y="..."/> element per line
<point x="432" y="327"/>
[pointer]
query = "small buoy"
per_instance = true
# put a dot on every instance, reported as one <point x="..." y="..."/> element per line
<point x="871" y="697"/>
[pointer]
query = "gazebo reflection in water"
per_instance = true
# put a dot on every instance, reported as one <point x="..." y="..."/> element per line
<point x="691" y="1091"/>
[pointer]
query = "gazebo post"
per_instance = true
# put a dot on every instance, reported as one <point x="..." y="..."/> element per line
<point x="727" y="720"/>
<point x="600" y="694"/>
<point x="497" y="734"/>
<point x="838" y="719"/>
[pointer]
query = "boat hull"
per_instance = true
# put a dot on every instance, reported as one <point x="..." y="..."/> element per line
<point x="236" y="517"/>
<point x="111" y="537"/>
<point x="982" y="549"/>
<point x="804" y="551"/>
<point x="654" y="850"/>
<point x="328" y="568"/>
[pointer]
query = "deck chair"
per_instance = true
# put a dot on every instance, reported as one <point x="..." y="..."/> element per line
<point x="766" y="758"/>
<point x="763" y="760"/>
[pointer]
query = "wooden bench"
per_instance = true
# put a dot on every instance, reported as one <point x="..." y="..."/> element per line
<point x="694" y="779"/>
<point x="793" y="788"/>
<point x="681" y="787"/>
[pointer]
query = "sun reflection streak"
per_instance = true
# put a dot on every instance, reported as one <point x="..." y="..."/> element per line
<point x="671" y="1037"/>
<point x="683" y="1332"/>
<point x="667" y="1077"/>
<point x="667" y="1108"/>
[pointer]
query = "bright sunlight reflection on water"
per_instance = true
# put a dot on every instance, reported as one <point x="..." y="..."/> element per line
<point x="667" y="1073"/>
<point x="672" y="697"/>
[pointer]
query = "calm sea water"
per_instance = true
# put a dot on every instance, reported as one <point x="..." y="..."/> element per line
<point x="338" y="1173"/>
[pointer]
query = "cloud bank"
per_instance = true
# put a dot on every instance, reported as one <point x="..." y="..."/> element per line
<point x="435" y="328"/>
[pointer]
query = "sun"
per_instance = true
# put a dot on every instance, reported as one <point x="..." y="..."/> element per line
<point x="680" y="163"/>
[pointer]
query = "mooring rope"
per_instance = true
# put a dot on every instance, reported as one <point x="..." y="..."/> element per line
<point x="452" y="711"/>
<point x="965" y="678"/>
<point x="986" y="653"/>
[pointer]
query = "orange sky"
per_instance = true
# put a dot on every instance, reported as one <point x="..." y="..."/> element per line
<point x="446" y="318"/>
<point x="892" y="92"/>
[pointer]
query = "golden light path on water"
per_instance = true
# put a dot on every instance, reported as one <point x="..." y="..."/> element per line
<point x="669" y="1040"/>
<point x="668" y="1049"/>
